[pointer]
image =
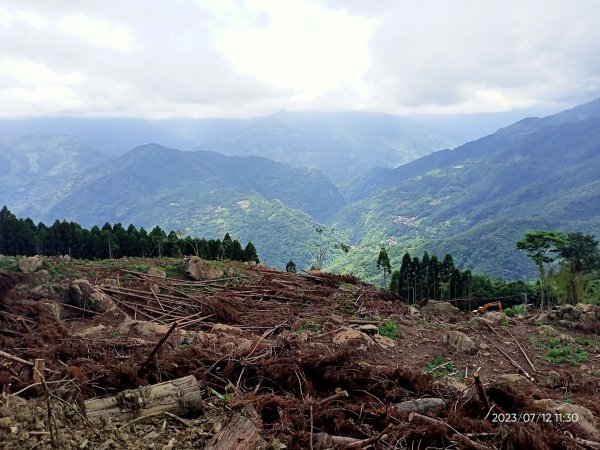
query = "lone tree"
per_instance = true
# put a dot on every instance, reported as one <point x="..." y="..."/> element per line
<point x="327" y="240"/>
<point x="540" y="246"/>
<point x="383" y="263"/>
<point x="290" y="267"/>
<point x="580" y="256"/>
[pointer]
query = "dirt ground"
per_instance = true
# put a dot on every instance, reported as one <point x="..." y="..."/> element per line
<point x="295" y="361"/>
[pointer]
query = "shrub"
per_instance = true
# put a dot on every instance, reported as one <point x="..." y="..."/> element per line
<point x="389" y="329"/>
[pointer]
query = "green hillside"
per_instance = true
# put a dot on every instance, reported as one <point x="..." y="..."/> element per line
<point x="208" y="194"/>
<point x="37" y="170"/>
<point x="476" y="201"/>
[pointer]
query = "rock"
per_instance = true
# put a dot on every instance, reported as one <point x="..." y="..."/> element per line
<point x="547" y="330"/>
<point x="198" y="269"/>
<point x="585" y="418"/>
<point x="83" y="294"/>
<point x="156" y="272"/>
<point x="40" y="277"/>
<point x="143" y="328"/>
<point x="455" y="384"/>
<point x="413" y="312"/>
<point x="553" y="379"/>
<point x="495" y="316"/>
<point x="566" y="338"/>
<point x="512" y="378"/>
<point x="30" y="264"/>
<point x="582" y="417"/>
<point x="441" y="307"/>
<point x="347" y="334"/>
<point x="369" y="329"/>
<point x="384" y="341"/>
<point x="302" y="336"/>
<point x="479" y="323"/>
<point x="459" y="341"/>
<point x="484" y="346"/>
<point x="541" y="319"/>
<point x="584" y="307"/>
<point x="109" y="282"/>
<point x="422" y="405"/>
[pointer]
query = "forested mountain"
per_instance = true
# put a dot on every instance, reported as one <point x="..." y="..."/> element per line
<point x="474" y="201"/>
<point x="342" y="145"/>
<point x="477" y="200"/>
<point x="274" y="205"/>
<point x="37" y="170"/>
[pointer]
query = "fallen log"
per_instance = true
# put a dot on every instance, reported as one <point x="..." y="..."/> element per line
<point x="180" y="396"/>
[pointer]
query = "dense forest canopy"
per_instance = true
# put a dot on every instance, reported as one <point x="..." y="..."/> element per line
<point x="24" y="237"/>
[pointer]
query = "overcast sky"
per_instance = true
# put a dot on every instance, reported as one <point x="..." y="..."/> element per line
<point x="227" y="58"/>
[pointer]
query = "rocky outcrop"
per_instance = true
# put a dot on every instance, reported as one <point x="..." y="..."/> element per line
<point x="30" y="264"/>
<point x="83" y="294"/>
<point x="349" y="335"/>
<point x="441" y="307"/>
<point x="198" y="269"/>
<point x="155" y="272"/>
<point x="581" y="417"/>
<point x="579" y="317"/>
<point x="459" y="342"/>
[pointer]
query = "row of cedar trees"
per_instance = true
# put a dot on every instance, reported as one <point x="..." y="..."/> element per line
<point x="430" y="278"/>
<point x="24" y="237"/>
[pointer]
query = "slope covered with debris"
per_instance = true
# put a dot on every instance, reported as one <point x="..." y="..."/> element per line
<point x="135" y="354"/>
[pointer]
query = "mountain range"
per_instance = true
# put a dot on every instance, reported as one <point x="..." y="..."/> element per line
<point x="341" y="144"/>
<point x="477" y="200"/>
<point x="473" y="201"/>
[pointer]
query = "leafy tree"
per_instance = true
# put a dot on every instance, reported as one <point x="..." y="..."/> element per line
<point x="383" y="263"/>
<point x="580" y="254"/>
<point x="327" y="240"/>
<point x="542" y="246"/>
<point x="290" y="267"/>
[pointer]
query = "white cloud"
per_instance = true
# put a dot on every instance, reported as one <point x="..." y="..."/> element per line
<point x="6" y="17"/>
<point x="32" y="19"/>
<point x="247" y="57"/>
<point x="298" y="46"/>
<point x="98" y="32"/>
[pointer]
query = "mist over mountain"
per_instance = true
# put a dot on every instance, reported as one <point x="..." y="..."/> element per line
<point x="342" y="145"/>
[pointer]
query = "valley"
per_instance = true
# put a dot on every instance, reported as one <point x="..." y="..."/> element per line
<point x="474" y="201"/>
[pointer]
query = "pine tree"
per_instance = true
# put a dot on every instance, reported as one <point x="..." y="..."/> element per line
<point x="383" y="263"/>
<point x="290" y="267"/>
<point x="250" y="253"/>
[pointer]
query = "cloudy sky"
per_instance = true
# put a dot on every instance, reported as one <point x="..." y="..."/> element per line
<point x="227" y="58"/>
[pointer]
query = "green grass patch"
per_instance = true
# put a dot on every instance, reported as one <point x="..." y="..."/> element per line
<point x="309" y="325"/>
<point x="140" y="267"/>
<point x="567" y="354"/>
<point x="9" y="263"/>
<point x="587" y="341"/>
<point x="389" y="329"/>
<point x="439" y="367"/>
